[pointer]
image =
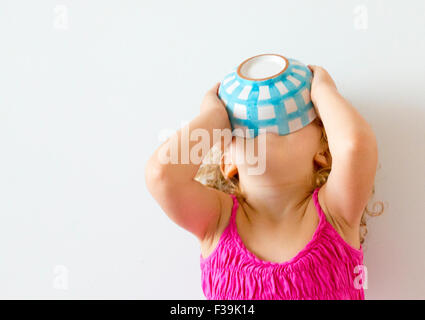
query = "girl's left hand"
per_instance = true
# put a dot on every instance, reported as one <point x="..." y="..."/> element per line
<point x="321" y="84"/>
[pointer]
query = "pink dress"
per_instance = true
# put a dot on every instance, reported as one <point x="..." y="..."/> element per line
<point x="327" y="268"/>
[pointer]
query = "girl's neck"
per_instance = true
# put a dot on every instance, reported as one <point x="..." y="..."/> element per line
<point x="276" y="201"/>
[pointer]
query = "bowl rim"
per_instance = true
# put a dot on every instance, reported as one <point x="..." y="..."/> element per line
<point x="262" y="79"/>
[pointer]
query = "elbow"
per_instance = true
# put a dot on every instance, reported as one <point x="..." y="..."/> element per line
<point x="365" y="140"/>
<point x="155" y="175"/>
<point x="360" y="137"/>
<point x="367" y="146"/>
<point x="160" y="178"/>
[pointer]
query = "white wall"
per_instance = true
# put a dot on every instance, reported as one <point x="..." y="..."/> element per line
<point x="86" y="87"/>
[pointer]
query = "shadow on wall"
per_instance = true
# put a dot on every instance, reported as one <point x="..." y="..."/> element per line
<point x="395" y="244"/>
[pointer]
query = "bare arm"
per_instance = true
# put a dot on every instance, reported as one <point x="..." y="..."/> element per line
<point x="187" y="202"/>
<point x="353" y="147"/>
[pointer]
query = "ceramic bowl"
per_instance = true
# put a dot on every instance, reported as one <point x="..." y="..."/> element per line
<point x="268" y="93"/>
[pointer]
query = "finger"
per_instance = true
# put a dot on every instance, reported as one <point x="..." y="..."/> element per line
<point x="312" y="67"/>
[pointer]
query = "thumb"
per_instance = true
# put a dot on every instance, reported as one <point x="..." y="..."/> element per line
<point x="214" y="89"/>
<point x="313" y="68"/>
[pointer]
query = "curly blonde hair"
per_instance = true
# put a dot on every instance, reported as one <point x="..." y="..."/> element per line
<point x="210" y="175"/>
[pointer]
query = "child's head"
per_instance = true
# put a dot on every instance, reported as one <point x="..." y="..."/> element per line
<point x="302" y="157"/>
<point x="287" y="159"/>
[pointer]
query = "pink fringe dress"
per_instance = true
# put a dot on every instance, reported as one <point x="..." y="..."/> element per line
<point x="327" y="268"/>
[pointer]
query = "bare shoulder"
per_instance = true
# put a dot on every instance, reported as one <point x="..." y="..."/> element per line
<point x="350" y="234"/>
<point x="210" y="241"/>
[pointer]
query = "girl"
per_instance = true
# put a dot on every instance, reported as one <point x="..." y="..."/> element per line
<point x="292" y="232"/>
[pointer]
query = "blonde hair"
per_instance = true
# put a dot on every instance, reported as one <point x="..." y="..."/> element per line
<point x="210" y="175"/>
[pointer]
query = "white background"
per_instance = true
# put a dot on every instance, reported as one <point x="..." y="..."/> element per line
<point x="87" y="87"/>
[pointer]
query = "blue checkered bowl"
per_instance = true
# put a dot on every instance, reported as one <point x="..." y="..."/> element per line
<point x="260" y="100"/>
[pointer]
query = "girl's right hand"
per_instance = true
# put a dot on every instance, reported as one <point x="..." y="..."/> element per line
<point x="212" y="101"/>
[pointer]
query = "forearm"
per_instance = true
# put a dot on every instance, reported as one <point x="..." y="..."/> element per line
<point x="175" y="158"/>
<point x="344" y="125"/>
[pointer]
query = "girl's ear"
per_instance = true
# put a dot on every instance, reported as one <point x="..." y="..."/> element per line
<point x="227" y="167"/>
<point x="320" y="159"/>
